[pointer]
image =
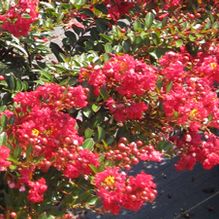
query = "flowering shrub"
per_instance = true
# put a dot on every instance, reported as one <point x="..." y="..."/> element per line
<point x="129" y="82"/>
<point x="43" y="136"/>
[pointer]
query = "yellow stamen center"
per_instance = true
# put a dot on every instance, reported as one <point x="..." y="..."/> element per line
<point x="213" y="65"/>
<point x="47" y="132"/>
<point x="35" y="132"/>
<point x="193" y="113"/>
<point x="109" y="181"/>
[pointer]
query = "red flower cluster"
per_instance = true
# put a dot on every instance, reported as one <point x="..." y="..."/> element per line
<point x="139" y="189"/>
<point x="206" y="64"/>
<point x="118" y="8"/>
<point x="126" y="111"/>
<point x="53" y="96"/>
<point x="173" y="65"/>
<point x="79" y="163"/>
<point x="189" y="100"/>
<point x="126" y="78"/>
<point x="185" y="102"/>
<point x="172" y="3"/>
<point x="195" y="147"/>
<point x="44" y="131"/>
<point x="123" y="74"/>
<point x="117" y="190"/>
<point x="4" y="155"/>
<point x="126" y="155"/>
<point x="18" y="18"/>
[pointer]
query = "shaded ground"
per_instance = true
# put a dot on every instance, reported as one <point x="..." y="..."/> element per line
<point x="182" y="195"/>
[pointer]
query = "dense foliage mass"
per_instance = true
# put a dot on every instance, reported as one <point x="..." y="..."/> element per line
<point x="124" y="82"/>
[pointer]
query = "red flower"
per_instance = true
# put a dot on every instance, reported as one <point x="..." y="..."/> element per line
<point x="126" y="155"/>
<point x="18" y="18"/>
<point x="71" y="171"/>
<point x="54" y="96"/>
<point x="130" y="111"/>
<point x="110" y="185"/>
<point x="46" y="130"/>
<point x="119" y="191"/>
<point x="186" y="103"/>
<point x="117" y="8"/>
<point x="129" y="76"/>
<point x="172" y="3"/>
<point x="123" y="74"/>
<point x="25" y="175"/>
<point x="97" y="79"/>
<point x="194" y="147"/>
<point x="80" y="162"/>
<point x="37" y="190"/>
<point x="186" y="162"/>
<point x="139" y="189"/>
<point x="4" y="155"/>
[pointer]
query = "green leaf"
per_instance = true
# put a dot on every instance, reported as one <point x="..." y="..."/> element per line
<point x="18" y="85"/>
<point x="2" y="138"/>
<point x="72" y="37"/>
<point x="127" y="45"/>
<point x="93" y="201"/>
<point x="137" y="26"/>
<point x="57" y="51"/>
<point x="45" y="76"/>
<point x="169" y="86"/>
<point x="156" y="38"/>
<point x="89" y="144"/>
<point x="28" y="152"/>
<point x="45" y="216"/>
<point x="108" y="48"/>
<point x="192" y="38"/>
<point x="157" y="53"/>
<point x="13" y="167"/>
<point x="95" y="108"/>
<point x="102" y="25"/>
<point x="11" y="83"/>
<point x="164" y="145"/>
<point x="3" y="83"/>
<point x="13" y="160"/>
<point x="93" y="168"/>
<point x="25" y="15"/>
<point x="101" y="133"/>
<point x="102" y="8"/>
<point x="104" y="94"/>
<point x="87" y="112"/>
<point x="17" y="152"/>
<point x="149" y="20"/>
<point x="110" y="140"/>
<point x="106" y="37"/>
<point x="176" y="114"/>
<point x="88" y="133"/>
<point x="179" y="43"/>
<point x="3" y="121"/>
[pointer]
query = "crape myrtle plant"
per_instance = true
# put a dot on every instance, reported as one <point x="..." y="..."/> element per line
<point x="127" y="82"/>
